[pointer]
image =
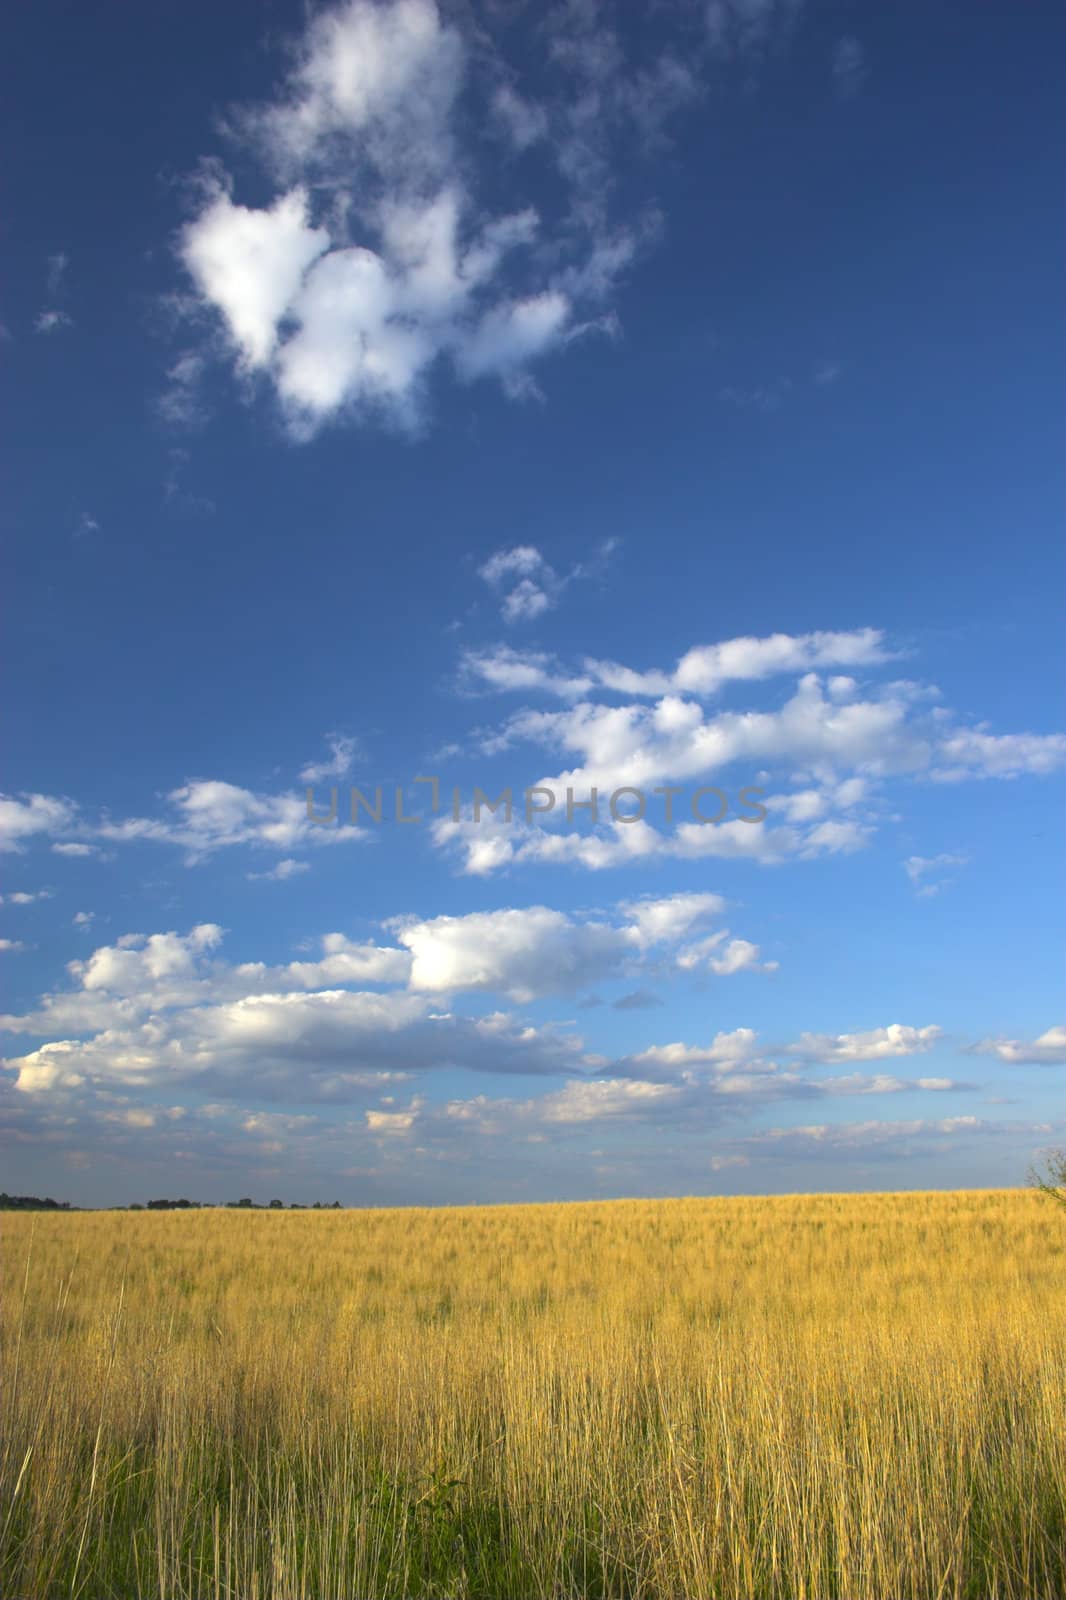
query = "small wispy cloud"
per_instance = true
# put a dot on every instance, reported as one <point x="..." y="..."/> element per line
<point x="761" y="397"/>
<point x="52" y="321"/>
<point x="921" y="870"/>
<point x="343" y="750"/>
<point x="55" y="269"/>
<point x="289" y="868"/>
<point x="528" y="585"/>
<point x="849" y="66"/>
<point x="181" y="403"/>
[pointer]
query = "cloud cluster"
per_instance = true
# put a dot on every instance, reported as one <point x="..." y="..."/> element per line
<point x="830" y="748"/>
<point x="151" y="1012"/>
<point x="375" y="260"/>
<point x="162" y="1050"/>
<point x="819" y="760"/>
<point x="201" y="817"/>
<point x="701" y="672"/>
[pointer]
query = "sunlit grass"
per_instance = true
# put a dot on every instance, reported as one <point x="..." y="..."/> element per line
<point x="819" y="1397"/>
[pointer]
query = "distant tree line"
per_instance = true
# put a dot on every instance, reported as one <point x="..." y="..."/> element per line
<point x="32" y="1202"/>
<point x="229" y="1205"/>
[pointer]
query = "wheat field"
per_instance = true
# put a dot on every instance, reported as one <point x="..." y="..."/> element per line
<point x="825" y="1396"/>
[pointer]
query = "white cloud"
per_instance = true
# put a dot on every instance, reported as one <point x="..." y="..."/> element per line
<point x="749" y="28"/>
<point x="921" y="870"/>
<point x="163" y="1010"/>
<point x="181" y="401"/>
<point x="518" y="953"/>
<point x="670" y="919"/>
<point x="896" y="1039"/>
<point x="52" y="321"/>
<point x="325" y="1045"/>
<point x="11" y="944"/>
<point x="55" y="270"/>
<point x="343" y="751"/>
<point x="21" y="819"/>
<point x="250" y="265"/>
<point x="394" y="1122"/>
<point x="974" y="753"/>
<point x="862" y="1135"/>
<point x="485" y="847"/>
<point x="288" y="867"/>
<point x="380" y="80"/>
<point x="725" y="1050"/>
<point x="376" y="260"/>
<point x="738" y="955"/>
<point x="702" y="671"/>
<point x="527" y="586"/>
<point x="342" y="962"/>
<point x="1048" y="1048"/>
<point x="341" y="325"/>
<point x="25" y="897"/>
<point x="836" y="743"/>
<point x="209" y="815"/>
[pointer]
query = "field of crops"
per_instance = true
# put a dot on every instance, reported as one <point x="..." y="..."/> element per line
<point x="830" y="1396"/>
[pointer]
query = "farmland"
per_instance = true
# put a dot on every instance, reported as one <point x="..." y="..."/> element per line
<point x="850" y="1396"/>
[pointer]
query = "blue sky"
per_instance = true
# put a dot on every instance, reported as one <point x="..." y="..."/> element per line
<point x="570" y="397"/>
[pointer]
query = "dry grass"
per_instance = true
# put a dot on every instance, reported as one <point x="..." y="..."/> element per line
<point x="816" y="1397"/>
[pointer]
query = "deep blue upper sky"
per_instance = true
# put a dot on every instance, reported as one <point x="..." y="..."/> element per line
<point x="397" y="391"/>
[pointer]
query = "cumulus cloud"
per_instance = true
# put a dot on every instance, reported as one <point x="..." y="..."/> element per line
<point x="738" y="955"/>
<point x="518" y="953"/>
<point x="324" y="1045"/>
<point x="375" y="261"/>
<point x="200" y="817"/>
<point x="287" y="867"/>
<point x="702" y="671"/>
<point x="726" y="1050"/>
<point x="539" y="951"/>
<point x="22" y="818"/>
<point x="521" y="954"/>
<point x="897" y="1039"/>
<point x="208" y="815"/>
<point x="671" y="918"/>
<point x="1048" y="1048"/>
<point x="154" y="1018"/>
<point x="967" y="753"/>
